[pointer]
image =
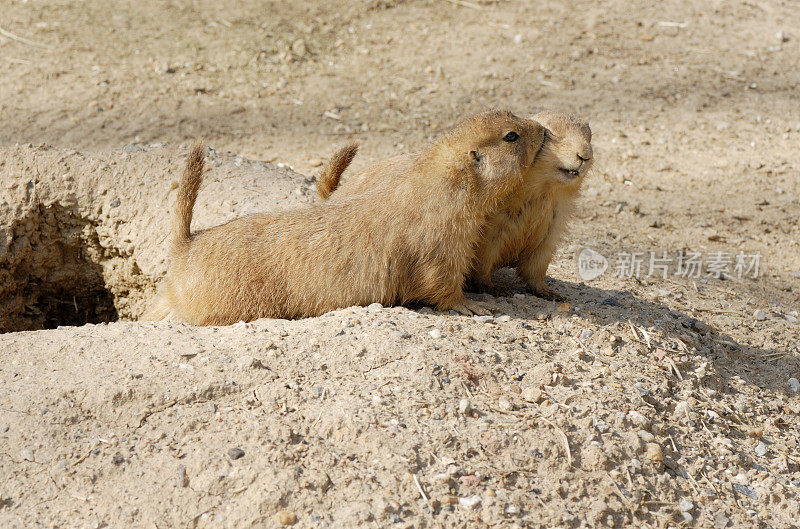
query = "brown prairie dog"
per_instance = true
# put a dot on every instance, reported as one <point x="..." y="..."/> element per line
<point x="527" y="227"/>
<point x="409" y="238"/>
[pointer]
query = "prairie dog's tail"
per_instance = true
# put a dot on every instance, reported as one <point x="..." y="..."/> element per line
<point x="187" y="194"/>
<point x="328" y="179"/>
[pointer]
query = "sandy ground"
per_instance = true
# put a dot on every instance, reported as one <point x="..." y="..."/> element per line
<point x="646" y="402"/>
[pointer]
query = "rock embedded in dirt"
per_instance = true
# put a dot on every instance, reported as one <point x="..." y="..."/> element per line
<point x="235" y="453"/>
<point x="645" y="436"/>
<point x="653" y="453"/>
<point x="682" y="410"/>
<point x="246" y="362"/>
<point x="183" y="477"/>
<point x="285" y="517"/>
<point x="470" y="502"/>
<point x="746" y="490"/>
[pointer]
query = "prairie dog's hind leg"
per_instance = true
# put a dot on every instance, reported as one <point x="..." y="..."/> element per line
<point x="532" y="269"/>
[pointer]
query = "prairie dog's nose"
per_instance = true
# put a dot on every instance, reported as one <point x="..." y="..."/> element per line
<point x="585" y="154"/>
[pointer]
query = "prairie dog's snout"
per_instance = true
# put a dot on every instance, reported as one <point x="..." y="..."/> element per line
<point x="567" y="146"/>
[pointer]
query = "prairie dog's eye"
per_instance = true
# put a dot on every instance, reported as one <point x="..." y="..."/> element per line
<point x="511" y="136"/>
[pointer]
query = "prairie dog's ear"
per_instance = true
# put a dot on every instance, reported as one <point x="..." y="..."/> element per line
<point x="478" y="163"/>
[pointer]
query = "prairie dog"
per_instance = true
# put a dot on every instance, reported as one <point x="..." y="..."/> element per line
<point x="409" y="238"/>
<point x="527" y="227"/>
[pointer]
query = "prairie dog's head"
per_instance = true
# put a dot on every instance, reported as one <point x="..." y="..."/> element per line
<point x="489" y="152"/>
<point x="566" y="155"/>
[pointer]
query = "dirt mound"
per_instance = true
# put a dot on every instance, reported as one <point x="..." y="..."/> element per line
<point x="381" y="416"/>
<point x="83" y="236"/>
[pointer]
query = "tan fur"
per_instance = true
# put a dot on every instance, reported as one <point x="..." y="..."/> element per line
<point x="528" y="226"/>
<point x="411" y="237"/>
<point x="328" y="179"/>
<point x="187" y="194"/>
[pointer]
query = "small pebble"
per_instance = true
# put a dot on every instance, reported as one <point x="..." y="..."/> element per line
<point x="245" y="362"/>
<point x="720" y="521"/>
<point x="285" y="517"/>
<point x="586" y="334"/>
<point x="685" y="505"/>
<point x="470" y="502"/>
<point x="793" y="384"/>
<point x="747" y="491"/>
<point x="183" y="477"/>
<point x="236" y="453"/>
<point x="117" y="459"/>
<point x="638" y="419"/>
<point x="483" y="319"/>
<point x="645" y="436"/>
<point x="761" y="450"/>
<point x="653" y="453"/>
<point x="435" y="334"/>
<point x="374" y="306"/>
<point x="564" y="308"/>
<point x="681" y="409"/>
<point x="532" y="394"/>
<point x="611" y="302"/>
<point x="505" y="318"/>
<point x="299" y="47"/>
<point x="27" y="454"/>
<point x="441" y="477"/>
<point x="760" y="315"/>
<point x="464" y="406"/>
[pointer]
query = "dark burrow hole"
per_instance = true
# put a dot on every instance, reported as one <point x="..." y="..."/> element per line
<point x="82" y="299"/>
<point x="54" y="271"/>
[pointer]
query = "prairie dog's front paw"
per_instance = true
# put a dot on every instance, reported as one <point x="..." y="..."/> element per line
<point x="544" y="292"/>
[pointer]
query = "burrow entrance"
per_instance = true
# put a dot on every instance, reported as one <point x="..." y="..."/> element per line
<point x="55" y="271"/>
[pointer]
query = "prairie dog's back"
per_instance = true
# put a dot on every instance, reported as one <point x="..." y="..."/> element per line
<point x="300" y="272"/>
